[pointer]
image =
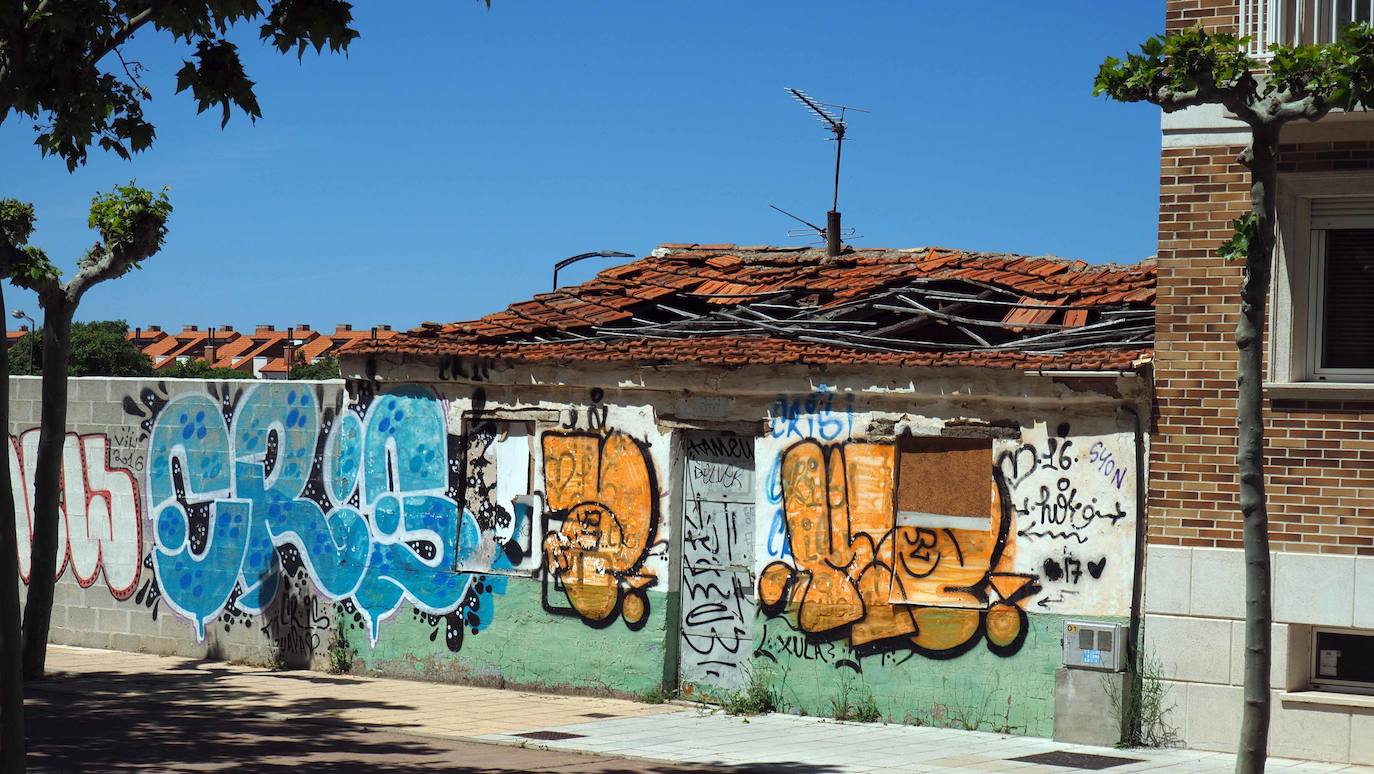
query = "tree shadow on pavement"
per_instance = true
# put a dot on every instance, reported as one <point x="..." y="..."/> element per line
<point x="191" y="718"/>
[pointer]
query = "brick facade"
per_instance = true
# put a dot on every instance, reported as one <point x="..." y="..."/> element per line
<point x="1320" y="460"/>
<point x="1211" y="15"/>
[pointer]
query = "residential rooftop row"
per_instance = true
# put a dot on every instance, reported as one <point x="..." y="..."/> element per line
<point x="266" y="352"/>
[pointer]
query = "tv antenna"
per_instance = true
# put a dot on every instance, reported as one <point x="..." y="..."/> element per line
<point x="836" y="125"/>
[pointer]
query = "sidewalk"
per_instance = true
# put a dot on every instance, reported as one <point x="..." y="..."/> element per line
<point x="605" y="727"/>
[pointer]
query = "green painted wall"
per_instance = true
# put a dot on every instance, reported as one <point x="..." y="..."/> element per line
<point x="977" y="690"/>
<point x="526" y="646"/>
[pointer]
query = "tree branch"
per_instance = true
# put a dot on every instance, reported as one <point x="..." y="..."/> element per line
<point x="37" y="12"/>
<point x="1310" y="107"/>
<point x="99" y="265"/>
<point x="132" y="78"/>
<point x="1170" y="100"/>
<point x="118" y="39"/>
<point x="1205" y="93"/>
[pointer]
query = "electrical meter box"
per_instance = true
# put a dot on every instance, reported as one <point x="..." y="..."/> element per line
<point x="1099" y="646"/>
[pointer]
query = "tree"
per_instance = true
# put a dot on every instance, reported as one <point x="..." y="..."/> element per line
<point x="202" y="369"/>
<point x="99" y="348"/>
<point x="132" y="223"/>
<point x="326" y="367"/>
<point x="17" y="259"/>
<point x="62" y="63"/>
<point x="1192" y="67"/>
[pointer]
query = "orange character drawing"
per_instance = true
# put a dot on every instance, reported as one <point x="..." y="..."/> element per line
<point x="934" y="590"/>
<point x="603" y="490"/>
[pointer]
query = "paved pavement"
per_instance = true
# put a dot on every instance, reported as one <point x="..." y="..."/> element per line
<point x="112" y="711"/>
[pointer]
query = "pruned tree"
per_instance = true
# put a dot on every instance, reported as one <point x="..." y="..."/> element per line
<point x="1193" y="67"/>
<point x="17" y="258"/>
<point x="132" y="224"/>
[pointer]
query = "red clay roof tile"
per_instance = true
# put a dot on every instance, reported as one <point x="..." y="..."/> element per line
<point x="689" y="275"/>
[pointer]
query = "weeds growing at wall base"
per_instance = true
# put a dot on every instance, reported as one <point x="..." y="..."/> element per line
<point x="1149" y="698"/>
<point x="656" y="695"/>
<point x="757" y="698"/>
<point x="341" y="653"/>
<point x="863" y="710"/>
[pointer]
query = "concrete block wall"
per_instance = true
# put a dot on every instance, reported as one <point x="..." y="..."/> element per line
<point x="1194" y="628"/>
<point x="156" y="468"/>
<point x="552" y="536"/>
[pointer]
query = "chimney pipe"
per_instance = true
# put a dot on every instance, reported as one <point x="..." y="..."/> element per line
<point x="210" y="348"/>
<point x="832" y="233"/>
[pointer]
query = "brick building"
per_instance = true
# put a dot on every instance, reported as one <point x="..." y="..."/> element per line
<point x="1319" y="407"/>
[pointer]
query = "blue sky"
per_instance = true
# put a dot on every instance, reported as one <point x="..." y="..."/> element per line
<point x="440" y="169"/>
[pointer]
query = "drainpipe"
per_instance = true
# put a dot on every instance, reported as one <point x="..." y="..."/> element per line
<point x="1130" y="713"/>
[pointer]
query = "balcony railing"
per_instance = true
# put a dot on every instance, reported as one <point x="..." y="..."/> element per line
<point x="1291" y="22"/>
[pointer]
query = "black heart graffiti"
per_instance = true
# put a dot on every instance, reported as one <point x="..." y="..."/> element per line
<point x="1018" y="465"/>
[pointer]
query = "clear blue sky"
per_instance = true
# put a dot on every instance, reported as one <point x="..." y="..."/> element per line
<point x="440" y="169"/>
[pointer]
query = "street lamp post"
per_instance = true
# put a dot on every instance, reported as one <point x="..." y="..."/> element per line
<point x="566" y="262"/>
<point x="20" y="314"/>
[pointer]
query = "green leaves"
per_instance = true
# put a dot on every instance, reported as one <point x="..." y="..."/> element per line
<point x="217" y="78"/>
<point x="19" y="260"/>
<point x="326" y="367"/>
<point x="62" y="67"/>
<point x="1193" y="67"/>
<point x="16" y="222"/>
<point x="1182" y="65"/>
<point x="1340" y="73"/>
<point x="100" y="348"/>
<point x="1246" y="230"/>
<point x="299" y="24"/>
<point x="131" y="221"/>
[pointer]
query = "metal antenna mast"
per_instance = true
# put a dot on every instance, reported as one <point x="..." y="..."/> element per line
<point x="836" y="125"/>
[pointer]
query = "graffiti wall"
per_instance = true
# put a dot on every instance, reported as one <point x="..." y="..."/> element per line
<point x="915" y="557"/>
<point x="832" y="543"/>
<point x="267" y="520"/>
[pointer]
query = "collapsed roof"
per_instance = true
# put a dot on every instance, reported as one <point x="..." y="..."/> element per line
<point x="729" y="305"/>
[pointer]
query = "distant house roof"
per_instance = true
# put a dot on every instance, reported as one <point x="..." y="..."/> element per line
<point x="262" y="350"/>
<point x="729" y="305"/>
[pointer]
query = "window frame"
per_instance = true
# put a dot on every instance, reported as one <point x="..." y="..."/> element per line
<point x="1331" y="685"/>
<point x="1294" y="322"/>
<point x="530" y="422"/>
<point x="1316" y="340"/>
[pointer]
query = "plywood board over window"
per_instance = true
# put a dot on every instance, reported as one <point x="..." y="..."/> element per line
<point x="947" y="520"/>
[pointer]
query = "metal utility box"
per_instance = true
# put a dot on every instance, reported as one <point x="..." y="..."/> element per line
<point x="1099" y="646"/>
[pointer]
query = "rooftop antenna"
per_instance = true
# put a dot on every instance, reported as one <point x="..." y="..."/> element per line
<point x="836" y="125"/>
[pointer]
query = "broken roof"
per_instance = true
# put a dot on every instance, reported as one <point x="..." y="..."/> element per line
<point x="729" y="305"/>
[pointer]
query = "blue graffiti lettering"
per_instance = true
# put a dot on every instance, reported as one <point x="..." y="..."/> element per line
<point x="814" y="416"/>
<point x="227" y="494"/>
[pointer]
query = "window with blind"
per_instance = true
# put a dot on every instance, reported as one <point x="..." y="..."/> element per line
<point x="1347" y="326"/>
<point x="1342" y="277"/>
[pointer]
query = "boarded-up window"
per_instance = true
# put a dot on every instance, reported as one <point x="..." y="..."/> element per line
<point x="944" y="482"/>
<point x="944" y="541"/>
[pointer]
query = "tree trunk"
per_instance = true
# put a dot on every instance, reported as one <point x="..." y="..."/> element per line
<point x="57" y="323"/>
<point x="11" y="671"/>
<point x="1254" y="728"/>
